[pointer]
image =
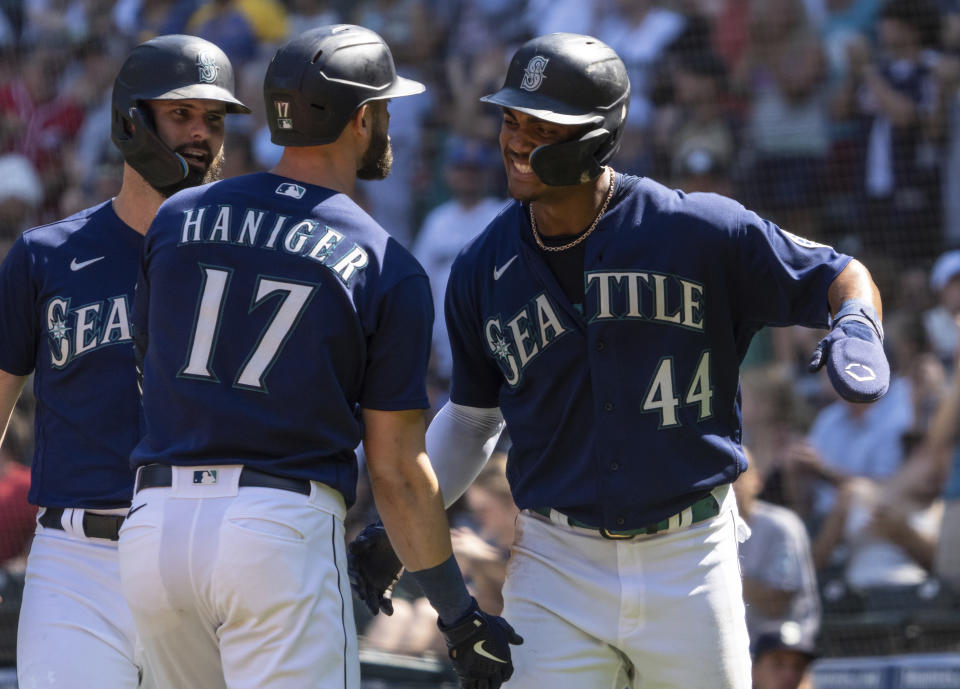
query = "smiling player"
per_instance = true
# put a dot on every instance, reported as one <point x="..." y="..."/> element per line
<point x="605" y="316"/>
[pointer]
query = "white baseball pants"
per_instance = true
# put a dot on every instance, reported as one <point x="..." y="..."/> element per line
<point x="75" y="630"/>
<point x="653" y="612"/>
<point x="240" y="588"/>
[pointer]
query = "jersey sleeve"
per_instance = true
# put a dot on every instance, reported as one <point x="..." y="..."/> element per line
<point x="476" y="381"/>
<point x="19" y="324"/>
<point x="783" y="279"/>
<point x="399" y="349"/>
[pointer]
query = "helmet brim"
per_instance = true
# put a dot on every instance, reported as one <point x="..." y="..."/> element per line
<point x="402" y="87"/>
<point x="202" y="92"/>
<point x="540" y="106"/>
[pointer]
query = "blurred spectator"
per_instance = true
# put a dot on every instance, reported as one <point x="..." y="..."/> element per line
<point x="694" y="134"/>
<point x="468" y="165"/>
<point x="408" y="26"/>
<point x="781" y="659"/>
<point x="946" y="122"/>
<point x="774" y="416"/>
<point x="141" y="20"/>
<point x="845" y="20"/>
<point x="884" y="533"/>
<point x="945" y="450"/>
<point x="641" y="32"/>
<point x="37" y="119"/>
<point x="892" y="94"/>
<point x="307" y="14"/>
<point x="849" y="440"/>
<point x="784" y="73"/>
<point x="549" y="16"/>
<point x="227" y="24"/>
<point x="21" y="193"/>
<point x="17" y="516"/>
<point x="730" y="27"/>
<point x="940" y="321"/>
<point x="779" y="583"/>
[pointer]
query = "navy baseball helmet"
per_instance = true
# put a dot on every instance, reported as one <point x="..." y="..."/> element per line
<point x="316" y="82"/>
<point x="569" y="79"/>
<point x="171" y="67"/>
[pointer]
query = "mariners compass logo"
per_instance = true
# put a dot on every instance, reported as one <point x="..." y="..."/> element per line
<point x="533" y="73"/>
<point x="207" y="64"/>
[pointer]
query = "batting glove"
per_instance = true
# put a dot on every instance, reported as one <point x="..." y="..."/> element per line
<point x="479" y="646"/>
<point x="373" y="568"/>
<point x="853" y="353"/>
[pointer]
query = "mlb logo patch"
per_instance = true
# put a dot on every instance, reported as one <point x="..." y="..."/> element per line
<point x="294" y="191"/>
<point x="205" y="476"/>
<point x="284" y="121"/>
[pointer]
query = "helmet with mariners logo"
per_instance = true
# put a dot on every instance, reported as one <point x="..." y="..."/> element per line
<point x="569" y="79"/>
<point x="170" y="67"/>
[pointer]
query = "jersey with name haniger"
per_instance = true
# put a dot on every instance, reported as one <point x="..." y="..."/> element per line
<point x="625" y="410"/>
<point x="271" y="312"/>
<point x="66" y="294"/>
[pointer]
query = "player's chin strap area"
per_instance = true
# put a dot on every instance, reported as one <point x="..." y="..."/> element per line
<point x="146" y="153"/>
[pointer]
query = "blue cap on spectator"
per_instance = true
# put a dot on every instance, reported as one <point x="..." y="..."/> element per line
<point x="789" y="637"/>
<point x="945" y="269"/>
<point x="463" y="152"/>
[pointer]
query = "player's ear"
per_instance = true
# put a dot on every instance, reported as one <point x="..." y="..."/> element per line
<point x="363" y="119"/>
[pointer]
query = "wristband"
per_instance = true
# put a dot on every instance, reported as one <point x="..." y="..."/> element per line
<point x="444" y="588"/>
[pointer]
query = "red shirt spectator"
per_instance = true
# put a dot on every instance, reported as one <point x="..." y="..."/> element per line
<point x="17" y="516"/>
<point x="35" y="119"/>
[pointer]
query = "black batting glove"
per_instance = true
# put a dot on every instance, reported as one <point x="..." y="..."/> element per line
<point x="853" y="353"/>
<point x="373" y="568"/>
<point x="479" y="646"/>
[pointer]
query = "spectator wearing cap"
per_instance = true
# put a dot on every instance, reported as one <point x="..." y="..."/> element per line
<point x="695" y="134"/>
<point x="940" y="321"/>
<point x="448" y="228"/>
<point x="782" y="658"/>
<point x="20" y="196"/>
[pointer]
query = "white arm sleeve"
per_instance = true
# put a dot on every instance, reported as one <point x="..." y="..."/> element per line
<point x="460" y="440"/>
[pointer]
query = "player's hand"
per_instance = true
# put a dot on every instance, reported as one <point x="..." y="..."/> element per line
<point x="479" y="647"/>
<point x="373" y="568"/>
<point x="853" y="354"/>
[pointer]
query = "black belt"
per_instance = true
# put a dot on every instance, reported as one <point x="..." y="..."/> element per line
<point x="94" y="525"/>
<point x="161" y="476"/>
<point x="706" y="507"/>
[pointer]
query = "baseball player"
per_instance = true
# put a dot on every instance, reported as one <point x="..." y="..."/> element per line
<point x="66" y="293"/>
<point x="605" y="317"/>
<point x="279" y="326"/>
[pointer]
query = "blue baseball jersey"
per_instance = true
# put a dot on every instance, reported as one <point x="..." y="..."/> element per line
<point x="66" y="294"/>
<point x="627" y="410"/>
<point x="270" y="312"/>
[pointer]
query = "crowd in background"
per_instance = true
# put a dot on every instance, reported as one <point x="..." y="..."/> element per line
<point x="837" y="119"/>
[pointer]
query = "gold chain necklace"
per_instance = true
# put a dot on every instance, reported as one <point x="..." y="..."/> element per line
<point x="593" y="225"/>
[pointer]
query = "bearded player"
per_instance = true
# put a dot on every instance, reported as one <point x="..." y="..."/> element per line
<point x="66" y="293"/>
<point x="279" y="326"/>
<point x="604" y="318"/>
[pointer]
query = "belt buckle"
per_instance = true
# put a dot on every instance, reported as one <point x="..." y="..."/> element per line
<point x="614" y="536"/>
